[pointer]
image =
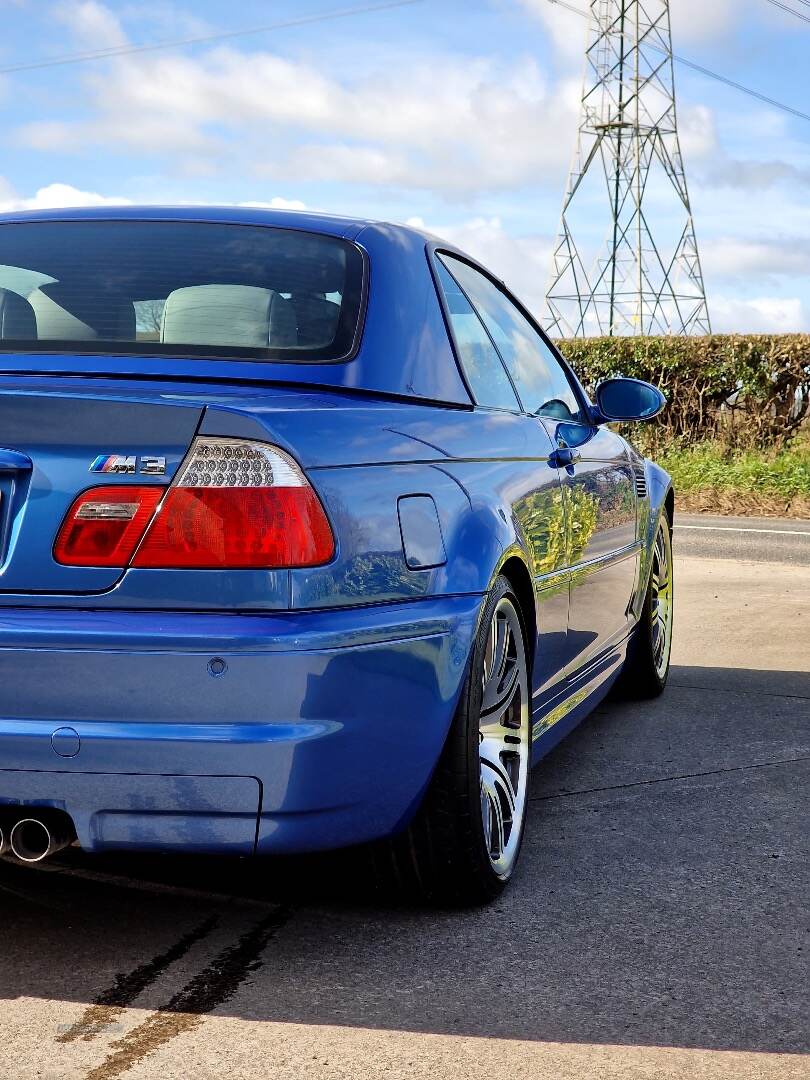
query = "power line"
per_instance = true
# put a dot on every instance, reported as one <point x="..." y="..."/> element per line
<point x="790" y="10"/>
<point x="706" y="71"/>
<point x="743" y="89"/>
<point x="126" y="50"/>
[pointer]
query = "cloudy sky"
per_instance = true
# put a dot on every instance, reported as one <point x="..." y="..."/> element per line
<point x="460" y="114"/>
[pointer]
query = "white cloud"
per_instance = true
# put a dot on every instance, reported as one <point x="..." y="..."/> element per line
<point x="521" y="261"/>
<point x="277" y="204"/>
<point x="164" y="19"/>
<point x="751" y="175"/>
<point x="449" y="123"/>
<point x="58" y="196"/>
<point x="735" y="257"/>
<point x="566" y="29"/>
<point x="762" y="315"/>
<point x="53" y="196"/>
<point x="692" y="20"/>
<point x="92" y="23"/>
<point x="756" y="123"/>
<point x="697" y="132"/>
<point x="349" y="163"/>
<point x="702" y="20"/>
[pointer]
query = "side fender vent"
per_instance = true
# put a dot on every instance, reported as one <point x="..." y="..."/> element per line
<point x="641" y="482"/>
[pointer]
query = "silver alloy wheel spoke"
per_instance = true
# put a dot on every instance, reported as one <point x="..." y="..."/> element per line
<point x="497" y="646"/>
<point x="498" y="812"/>
<point x="504" y="737"/>
<point x="498" y="696"/>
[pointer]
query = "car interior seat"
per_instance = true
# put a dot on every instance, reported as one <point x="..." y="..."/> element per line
<point x="82" y="314"/>
<point x="236" y="315"/>
<point x="17" y="319"/>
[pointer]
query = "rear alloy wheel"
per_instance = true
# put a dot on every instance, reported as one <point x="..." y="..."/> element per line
<point x="646" y="668"/>
<point x="463" y="845"/>
<point x="503" y="737"/>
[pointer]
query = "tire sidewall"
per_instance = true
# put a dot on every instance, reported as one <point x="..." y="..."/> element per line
<point x="658" y="681"/>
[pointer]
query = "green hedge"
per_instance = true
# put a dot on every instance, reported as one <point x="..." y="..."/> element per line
<point x="747" y="391"/>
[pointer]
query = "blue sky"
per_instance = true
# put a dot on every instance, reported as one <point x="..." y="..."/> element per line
<point x="461" y="115"/>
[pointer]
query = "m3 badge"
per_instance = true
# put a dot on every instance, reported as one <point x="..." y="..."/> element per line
<point x="129" y="464"/>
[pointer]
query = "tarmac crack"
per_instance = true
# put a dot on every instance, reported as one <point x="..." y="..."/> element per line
<point x="211" y="987"/>
<point x="669" y="779"/>
<point x="733" y="690"/>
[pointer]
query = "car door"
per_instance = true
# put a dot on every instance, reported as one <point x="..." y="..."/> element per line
<point x="517" y="475"/>
<point x="592" y="464"/>
<point x="600" y="497"/>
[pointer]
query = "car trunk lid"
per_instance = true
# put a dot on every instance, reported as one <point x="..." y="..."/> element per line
<point x="59" y="437"/>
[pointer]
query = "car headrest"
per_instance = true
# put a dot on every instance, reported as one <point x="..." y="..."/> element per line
<point x="17" y="319"/>
<point x="283" y="325"/>
<point x="65" y="315"/>
<point x="317" y="320"/>
<point x="240" y="315"/>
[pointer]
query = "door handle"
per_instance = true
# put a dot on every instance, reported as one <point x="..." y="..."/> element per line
<point x="563" y="457"/>
<point x="14" y="461"/>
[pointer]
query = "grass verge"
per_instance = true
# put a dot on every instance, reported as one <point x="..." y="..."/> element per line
<point x="711" y="478"/>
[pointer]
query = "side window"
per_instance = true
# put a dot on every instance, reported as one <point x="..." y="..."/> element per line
<point x="482" y="365"/>
<point x="541" y="382"/>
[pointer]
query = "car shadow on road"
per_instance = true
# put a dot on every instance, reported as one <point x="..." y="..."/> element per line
<point x="661" y="900"/>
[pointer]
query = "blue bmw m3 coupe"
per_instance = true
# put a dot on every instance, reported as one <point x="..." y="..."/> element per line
<point x="309" y="538"/>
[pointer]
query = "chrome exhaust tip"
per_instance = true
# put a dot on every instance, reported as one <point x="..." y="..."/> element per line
<point x="32" y="840"/>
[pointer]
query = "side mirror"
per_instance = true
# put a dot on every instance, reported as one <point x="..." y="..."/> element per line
<point x="627" y="399"/>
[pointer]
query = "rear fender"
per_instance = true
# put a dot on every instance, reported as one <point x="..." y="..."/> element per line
<point x="363" y="504"/>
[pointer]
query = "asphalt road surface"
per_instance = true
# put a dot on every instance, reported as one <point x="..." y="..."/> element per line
<point x="658" y="926"/>
<point x="761" y="539"/>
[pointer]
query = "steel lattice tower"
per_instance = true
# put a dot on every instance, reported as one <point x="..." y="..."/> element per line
<point x="646" y="278"/>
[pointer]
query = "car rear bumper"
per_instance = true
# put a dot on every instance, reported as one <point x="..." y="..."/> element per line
<point x="284" y="732"/>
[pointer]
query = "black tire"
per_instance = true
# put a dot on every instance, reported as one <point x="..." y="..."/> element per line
<point x="443" y="857"/>
<point x="646" y="668"/>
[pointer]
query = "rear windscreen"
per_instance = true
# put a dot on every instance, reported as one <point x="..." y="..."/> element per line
<point x="178" y="289"/>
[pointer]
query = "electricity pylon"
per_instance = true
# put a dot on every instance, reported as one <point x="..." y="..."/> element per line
<point x="646" y="277"/>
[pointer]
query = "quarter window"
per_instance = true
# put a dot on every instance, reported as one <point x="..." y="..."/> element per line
<point x="541" y="381"/>
<point x="479" y="358"/>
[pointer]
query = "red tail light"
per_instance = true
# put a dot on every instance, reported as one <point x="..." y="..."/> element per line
<point x="233" y="505"/>
<point x="241" y="528"/>
<point x="104" y="525"/>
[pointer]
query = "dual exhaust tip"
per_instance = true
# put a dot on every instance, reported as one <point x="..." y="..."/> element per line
<point x="32" y="839"/>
